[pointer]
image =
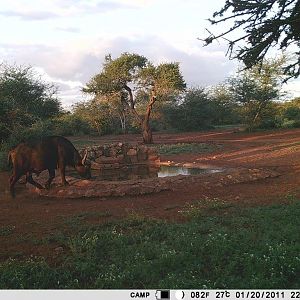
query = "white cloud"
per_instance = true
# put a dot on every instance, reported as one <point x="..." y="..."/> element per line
<point x="64" y="8"/>
<point x="68" y="29"/>
<point x="292" y="88"/>
<point x="74" y="63"/>
<point x="29" y="15"/>
<point x="69" y="46"/>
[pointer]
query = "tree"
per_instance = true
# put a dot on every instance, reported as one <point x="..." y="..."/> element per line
<point x="290" y="113"/>
<point x="225" y="108"/>
<point x="266" y="24"/>
<point x="96" y="114"/>
<point x="194" y="111"/>
<point x="254" y="89"/>
<point x="115" y="104"/>
<point x="24" y="99"/>
<point x="135" y="78"/>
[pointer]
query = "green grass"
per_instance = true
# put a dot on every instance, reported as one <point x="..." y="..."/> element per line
<point x="205" y="206"/>
<point x="78" y="220"/>
<point x="217" y="247"/>
<point x="7" y="230"/>
<point x="169" y="149"/>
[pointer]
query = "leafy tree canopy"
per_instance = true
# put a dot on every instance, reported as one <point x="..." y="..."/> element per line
<point x="261" y="83"/>
<point x="21" y="89"/>
<point x="135" y="79"/>
<point x="135" y="72"/>
<point x="266" y="24"/>
<point x="254" y="89"/>
<point x="24" y="99"/>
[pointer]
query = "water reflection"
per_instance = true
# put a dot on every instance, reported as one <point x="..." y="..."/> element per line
<point x="144" y="171"/>
<point x="126" y="173"/>
<point x="166" y="171"/>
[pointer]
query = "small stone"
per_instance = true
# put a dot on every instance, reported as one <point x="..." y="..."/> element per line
<point x="131" y="152"/>
<point x="133" y="159"/>
<point x="152" y="151"/>
<point x="120" y="158"/>
<point x="141" y="155"/>
<point x="59" y="250"/>
<point x="153" y="157"/>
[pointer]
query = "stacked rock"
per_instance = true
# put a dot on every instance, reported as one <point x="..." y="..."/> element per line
<point x="116" y="155"/>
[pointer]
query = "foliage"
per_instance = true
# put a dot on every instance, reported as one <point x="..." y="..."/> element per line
<point x="97" y="115"/>
<point x="27" y="104"/>
<point x="253" y="90"/>
<point x="7" y="230"/>
<point x="70" y="124"/>
<point x="35" y="131"/>
<point x="193" y="112"/>
<point x="225" y="109"/>
<point x="266" y="24"/>
<point x="22" y="134"/>
<point x="133" y="79"/>
<point x="24" y="99"/>
<point x="290" y="113"/>
<point x="218" y="247"/>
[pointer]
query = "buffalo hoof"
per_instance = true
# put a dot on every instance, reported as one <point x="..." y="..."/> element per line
<point x="47" y="186"/>
<point x="40" y="187"/>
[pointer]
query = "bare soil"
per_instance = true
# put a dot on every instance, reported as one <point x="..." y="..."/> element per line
<point x="28" y="219"/>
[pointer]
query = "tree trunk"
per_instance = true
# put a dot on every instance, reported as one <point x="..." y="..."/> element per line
<point x="260" y="107"/>
<point x="122" y="117"/>
<point x="147" y="131"/>
<point x="145" y="125"/>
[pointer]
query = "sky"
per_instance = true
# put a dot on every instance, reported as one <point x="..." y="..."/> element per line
<point x="65" y="41"/>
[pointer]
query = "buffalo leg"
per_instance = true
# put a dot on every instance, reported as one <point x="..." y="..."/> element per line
<point x="12" y="181"/>
<point x="62" y="170"/>
<point x="51" y="177"/>
<point x="30" y="180"/>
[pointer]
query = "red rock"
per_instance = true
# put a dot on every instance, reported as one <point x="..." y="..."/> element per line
<point x="131" y="152"/>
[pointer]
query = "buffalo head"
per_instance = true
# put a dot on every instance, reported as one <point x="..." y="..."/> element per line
<point x="84" y="168"/>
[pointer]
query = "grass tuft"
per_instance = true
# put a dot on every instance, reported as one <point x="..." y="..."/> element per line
<point x="169" y="149"/>
<point x="249" y="248"/>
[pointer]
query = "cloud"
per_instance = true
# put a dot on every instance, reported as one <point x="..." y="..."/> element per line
<point x="30" y="15"/>
<point x="202" y="66"/>
<point x="292" y="88"/>
<point x="68" y="29"/>
<point x="73" y="64"/>
<point x="64" y="8"/>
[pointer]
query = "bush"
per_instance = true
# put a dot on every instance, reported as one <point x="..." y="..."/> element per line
<point x="70" y="124"/>
<point x="290" y="123"/>
<point x="195" y="112"/>
<point x="36" y="131"/>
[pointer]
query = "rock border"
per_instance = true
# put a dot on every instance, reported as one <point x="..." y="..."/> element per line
<point x="103" y="189"/>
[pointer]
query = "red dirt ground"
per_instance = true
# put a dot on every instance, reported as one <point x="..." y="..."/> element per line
<point x="30" y="218"/>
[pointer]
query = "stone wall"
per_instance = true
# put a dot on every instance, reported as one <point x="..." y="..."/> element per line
<point x="116" y="155"/>
<point x="79" y="188"/>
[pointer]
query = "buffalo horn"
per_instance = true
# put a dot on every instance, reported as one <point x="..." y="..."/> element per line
<point x="84" y="157"/>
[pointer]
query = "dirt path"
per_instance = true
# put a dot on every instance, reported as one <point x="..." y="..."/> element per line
<point x="26" y="221"/>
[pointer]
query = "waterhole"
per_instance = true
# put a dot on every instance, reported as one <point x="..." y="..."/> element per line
<point x="145" y="171"/>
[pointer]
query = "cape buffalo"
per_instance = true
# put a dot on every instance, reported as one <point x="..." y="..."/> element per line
<point x="47" y="153"/>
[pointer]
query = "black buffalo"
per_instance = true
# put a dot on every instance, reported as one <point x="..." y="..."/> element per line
<point x="48" y="153"/>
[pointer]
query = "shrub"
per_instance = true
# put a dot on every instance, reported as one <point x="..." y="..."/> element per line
<point x="36" y="131"/>
<point x="290" y="123"/>
<point x="71" y="124"/>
